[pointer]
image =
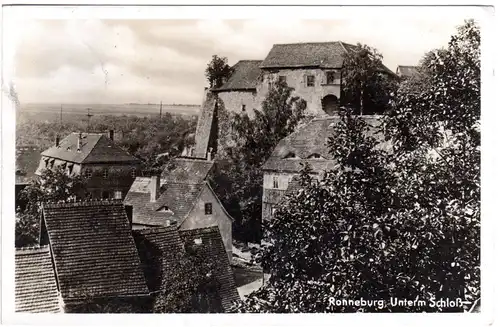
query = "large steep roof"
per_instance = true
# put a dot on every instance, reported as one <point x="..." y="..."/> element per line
<point x="245" y="76"/>
<point x="93" y="250"/>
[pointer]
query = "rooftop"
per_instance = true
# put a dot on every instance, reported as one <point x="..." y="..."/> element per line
<point x="93" y="250"/>
<point x="245" y="76"/>
<point x="35" y="282"/>
<point x="94" y="148"/>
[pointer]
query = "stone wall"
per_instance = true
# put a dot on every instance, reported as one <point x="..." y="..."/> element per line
<point x="235" y="100"/>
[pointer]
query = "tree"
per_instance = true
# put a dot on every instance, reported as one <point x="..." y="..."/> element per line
<point x="52" y="186"/>
<point x="191" y="286"/>
<point x="400" y="218"/>
<point x="238" y="181"/>
<point x="217" y="71"/>
<point x="366" y="84"/>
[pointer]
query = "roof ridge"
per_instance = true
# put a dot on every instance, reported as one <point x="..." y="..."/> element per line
<point x="50" y="205"/>
<point x="32" y="249"/>
<point x="250" y="60"/>
<point x="295" y="43"/>
<point x="193" y="230"/>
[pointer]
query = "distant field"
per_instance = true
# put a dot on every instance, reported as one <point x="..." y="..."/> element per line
<point x="51" y="112"/>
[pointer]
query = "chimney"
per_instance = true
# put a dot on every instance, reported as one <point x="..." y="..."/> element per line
<point x="111" y="134"/>
<point x="79" y="144"/>
<point x="209" y="154"/>
<point x="154" y="187"/>
<point x="57" y="140"/>
<point x="129" y="211"/>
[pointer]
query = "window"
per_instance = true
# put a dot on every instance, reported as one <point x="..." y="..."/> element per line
<point x="310" y="80"/>
<point x="70" y="168"/>
<point x="88" y="173"/>
<point x="243" y="107"/>
<point x="282" y="79"/>
<point x="105" y="173"/>
<point x="275" y="182"/>
<point x="118" y="195"/>
<point x="208" y="208"/>
<point x="133" y="172"/>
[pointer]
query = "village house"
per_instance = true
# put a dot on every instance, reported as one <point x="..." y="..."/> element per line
<point x="181" y="196"/>
<point x="406" y="71"/>
<point x="90" y="260"/>
<point x="109" y="170"/>
<point x="308" y="144"/>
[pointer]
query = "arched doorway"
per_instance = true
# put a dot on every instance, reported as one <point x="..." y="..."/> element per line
<point x="330" y="104"/>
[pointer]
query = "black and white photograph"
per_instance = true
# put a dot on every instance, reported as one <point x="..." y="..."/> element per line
<point x="271" y="163"/>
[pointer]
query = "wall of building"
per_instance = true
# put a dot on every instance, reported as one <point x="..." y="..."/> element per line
<point x="198" y="219"/>
<point x="283" y="180"/>
<point x="120" y="178"/>
<point x="296" y="78"/>
<point x="234" y="100"/>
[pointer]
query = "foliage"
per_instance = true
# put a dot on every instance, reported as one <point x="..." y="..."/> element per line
<point x="144" y="137"/>
<point x="191" y="286"/>
<point x="238" y="181"/>
<point x="366" y="85"/>
<point x="400" y="218"/>
<point x="217" y="71"/>
<point x="52" y="186"/>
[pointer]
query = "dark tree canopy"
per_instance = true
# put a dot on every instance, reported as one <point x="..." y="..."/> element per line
<point x="217" y="71"/>
<point x="366" y="84"/>
<point x="400" y="217"/>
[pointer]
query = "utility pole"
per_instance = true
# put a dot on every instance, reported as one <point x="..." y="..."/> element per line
<point x="60" y="116"/>
<point x="161" y="105"/>
<point x="88" y="119"/>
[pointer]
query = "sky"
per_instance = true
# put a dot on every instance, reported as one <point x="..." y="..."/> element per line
<point x="148" y="61"/>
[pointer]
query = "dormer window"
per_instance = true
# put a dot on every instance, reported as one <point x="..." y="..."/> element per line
<point x="291" y="155"/>
<point x="208" y="208"/>
<point x="315" y="156"/>
<point x="165" y="209"/>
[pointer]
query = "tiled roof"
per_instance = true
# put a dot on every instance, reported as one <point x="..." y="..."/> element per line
<point x="204" y="126"/>
<point x="321" y="54"/>
<point x="93" y="148"/>
<point x="407" y="71"/>
<point x="158" y="249"/>
<point x="245" y="76"/>
<point x="93" y="250"/>
<point x="307" y="141"/>
<point x="177" y="197"/>
<point x="35" y="283"/>
<point x="27" y="160"/>
<point x="212" y="248"/>
<point x="187" y="170"/>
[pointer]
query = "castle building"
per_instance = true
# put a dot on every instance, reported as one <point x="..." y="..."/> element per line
<point x="109" y="170"/>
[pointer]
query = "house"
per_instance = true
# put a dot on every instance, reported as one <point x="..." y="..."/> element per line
<point x="94" y="256"/>
<point x="313" y="70"/>
<point x="406" y="71"/>
<point x="110" y="170"/>
<point x="181" y="196"/>
<point x="308" y="144"/>
<point x="161" y="247"/>
<point x="35" y="281"/>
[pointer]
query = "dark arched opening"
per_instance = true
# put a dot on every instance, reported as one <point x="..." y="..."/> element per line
<point x="330" y="104"/>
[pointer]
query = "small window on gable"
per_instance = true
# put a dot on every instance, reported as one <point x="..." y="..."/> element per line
<point x="310" y="80"/>
<point x="208" y="208"/>
<point x="275" y="182"/>
<point x="243" y="107"/>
